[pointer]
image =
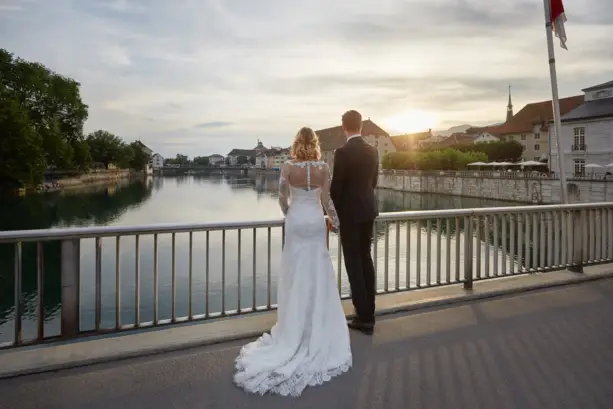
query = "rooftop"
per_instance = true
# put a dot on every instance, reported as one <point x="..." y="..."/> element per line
<point x="403" y="142"/>
<point x="598" y="108"/>
<point x="530" y="115"/>
<point x="332" y="138"/>
<point x="608" y="84"/>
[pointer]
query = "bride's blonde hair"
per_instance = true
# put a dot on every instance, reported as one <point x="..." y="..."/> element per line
<point x="306" y="145"/>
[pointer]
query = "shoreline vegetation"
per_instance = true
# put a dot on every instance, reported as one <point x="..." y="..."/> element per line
<point x="42" y="117"/>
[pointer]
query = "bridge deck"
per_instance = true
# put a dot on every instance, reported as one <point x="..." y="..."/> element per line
<point x="546" y="349"/>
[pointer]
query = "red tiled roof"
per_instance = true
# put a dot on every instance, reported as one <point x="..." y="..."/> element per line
<point x="536" y="113"/>
<point x="406" y="141"/>
<point x="332" y="138"/>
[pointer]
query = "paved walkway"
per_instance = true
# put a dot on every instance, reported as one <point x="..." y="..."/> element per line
<point x="546" y="349"/>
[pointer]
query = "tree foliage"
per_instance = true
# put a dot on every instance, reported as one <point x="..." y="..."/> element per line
<point x="41" y="127"/>
<point x="201" y="160"/>
<point x="21" y="155"/>
<point x="53" y="105"/>
<point x="177" y="160"/>
<point x="500" y="151"/>
<point x="446" y="159"/>
<point x="107" y="148"/>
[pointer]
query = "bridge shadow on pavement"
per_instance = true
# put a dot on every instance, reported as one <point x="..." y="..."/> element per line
<point x="545" y="349"/>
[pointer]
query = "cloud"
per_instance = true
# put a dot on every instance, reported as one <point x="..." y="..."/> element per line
<point x="213" y="124"/>
<point x="242" y="70"/>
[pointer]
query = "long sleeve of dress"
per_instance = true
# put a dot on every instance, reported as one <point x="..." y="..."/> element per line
<point x="284" y="189"/>
<point x="327" y="200"/>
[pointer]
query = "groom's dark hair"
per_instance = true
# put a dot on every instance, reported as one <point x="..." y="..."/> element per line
<point x="352" y="121"/>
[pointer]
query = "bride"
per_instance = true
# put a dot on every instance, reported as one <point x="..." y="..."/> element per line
<point x="309" y="344"/>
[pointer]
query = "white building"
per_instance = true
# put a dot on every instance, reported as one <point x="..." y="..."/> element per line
<point x="485" y="137"/>
<point x="216" y="160"/>
<point x="157" y="161"/>
<point x="277" y="157"/>
<point x="587" y="133"/>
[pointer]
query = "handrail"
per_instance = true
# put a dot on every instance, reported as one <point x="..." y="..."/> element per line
<point x="112" y="231"/>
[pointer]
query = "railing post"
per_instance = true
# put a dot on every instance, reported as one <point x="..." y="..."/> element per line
<point x="579" y="222"/>
<point x="468" y="253"/>
<point x="70" y="259"/>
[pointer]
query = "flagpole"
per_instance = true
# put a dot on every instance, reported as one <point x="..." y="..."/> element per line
<point x="555" y="101"/>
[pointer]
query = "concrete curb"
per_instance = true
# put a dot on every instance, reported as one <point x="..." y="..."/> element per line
<point x="451" y="301"/>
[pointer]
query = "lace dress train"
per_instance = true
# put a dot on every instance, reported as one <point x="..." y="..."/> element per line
<point x="309" y="344"/>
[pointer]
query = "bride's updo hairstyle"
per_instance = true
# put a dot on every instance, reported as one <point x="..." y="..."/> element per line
<point x="306" y="145"/>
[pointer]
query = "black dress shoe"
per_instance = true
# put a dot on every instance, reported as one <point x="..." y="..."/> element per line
<point x="363" y="327"/>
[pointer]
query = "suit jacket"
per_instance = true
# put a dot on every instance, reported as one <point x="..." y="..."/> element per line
<point x="354" y="179"/>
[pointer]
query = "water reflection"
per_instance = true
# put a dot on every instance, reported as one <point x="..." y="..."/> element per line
<point x="96" y="205"/>
<point x="187" y="199"/>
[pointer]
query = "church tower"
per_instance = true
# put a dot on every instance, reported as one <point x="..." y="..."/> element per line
<point x="509" y="107"/>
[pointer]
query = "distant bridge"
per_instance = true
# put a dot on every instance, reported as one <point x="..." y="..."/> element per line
<point x="203" y="170"/>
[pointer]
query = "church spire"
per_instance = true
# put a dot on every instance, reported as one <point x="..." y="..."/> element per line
<point x="509" y="107"/>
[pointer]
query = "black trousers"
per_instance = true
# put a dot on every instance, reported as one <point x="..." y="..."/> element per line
<point x="356" y="239"/>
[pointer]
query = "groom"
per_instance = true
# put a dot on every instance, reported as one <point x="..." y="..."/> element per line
<point x="356" y="168"/>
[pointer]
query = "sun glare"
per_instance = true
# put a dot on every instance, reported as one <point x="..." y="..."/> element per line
<point x="413" y="120"/>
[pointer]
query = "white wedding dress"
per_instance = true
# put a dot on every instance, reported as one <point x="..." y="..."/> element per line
<point x="309" y="344"/>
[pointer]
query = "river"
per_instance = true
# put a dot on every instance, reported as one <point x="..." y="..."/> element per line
<point x="186" y="199"/>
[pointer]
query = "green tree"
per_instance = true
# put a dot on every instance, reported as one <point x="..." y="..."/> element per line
<point x="140" y="158"/>
<point x="201" y="160"/>
<point x="53" y="104"/>
<point x="81" y="155"/>
<point x="447" y="159"/>
<point x="178" y="160"/>
<point x="499" y="151"/>
<point x="21" y="156"/>
<point x="107" y="148"/>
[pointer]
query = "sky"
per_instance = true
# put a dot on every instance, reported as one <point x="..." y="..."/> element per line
<point x="199" y="77"/>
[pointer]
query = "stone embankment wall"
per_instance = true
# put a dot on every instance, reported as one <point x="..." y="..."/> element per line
<point x="538" y="191"/>
<point x="93" y="177"/>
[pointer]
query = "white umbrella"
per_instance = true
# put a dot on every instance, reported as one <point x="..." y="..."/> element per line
<point x="592" y="165"/>
<point x="610" y="165"/>
<point x="479" y="164"/>
<point x="531" y="163"/>
<point x="501" y="163"/>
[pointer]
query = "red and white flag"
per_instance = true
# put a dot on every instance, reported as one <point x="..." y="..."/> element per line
<point x="558" y="18"/>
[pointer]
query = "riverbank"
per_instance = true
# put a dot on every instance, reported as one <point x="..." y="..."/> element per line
<point x="525" y="190"/>
<point x="89" y="178"/>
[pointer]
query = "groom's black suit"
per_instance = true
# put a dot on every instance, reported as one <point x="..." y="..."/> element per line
<point x="354" y="178"/>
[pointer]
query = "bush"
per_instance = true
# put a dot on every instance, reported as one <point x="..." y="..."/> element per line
<point x="446" y="159"/>
<point x="499" y="151"/>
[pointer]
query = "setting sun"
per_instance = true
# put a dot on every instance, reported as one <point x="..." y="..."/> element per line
<point x="413" y="120"/>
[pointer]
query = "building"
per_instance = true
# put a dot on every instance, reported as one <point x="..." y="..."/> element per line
<point x="157" y="161"/>
<point x="486" y="137"/>
<point x="235" y="156"/>
<point x="530" y="127"/>
<point x="587" y="133"/>
<point x="145" y="148"/>
<point x="332" y="138"/>
<point x="261" y="160"/>
<point x="276" y="157"/>
<point x="411" y="141"/>
<point x="250" y="154"/>
<point x="216" y="160"/>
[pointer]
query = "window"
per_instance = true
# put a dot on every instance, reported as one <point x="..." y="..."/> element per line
<point x="537" y="159"/>
<point x="537" y="136"/>
<point x="511" y="137"/>
<point x="603" y="94"/>
<point x="579" y="167"/>
<point x="537" y="147"/>
<point x="579" y="139"/>
<point x="523" y="137"/>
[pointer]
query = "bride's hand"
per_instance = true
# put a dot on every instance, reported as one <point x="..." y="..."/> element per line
<point x="330" y="226"/>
